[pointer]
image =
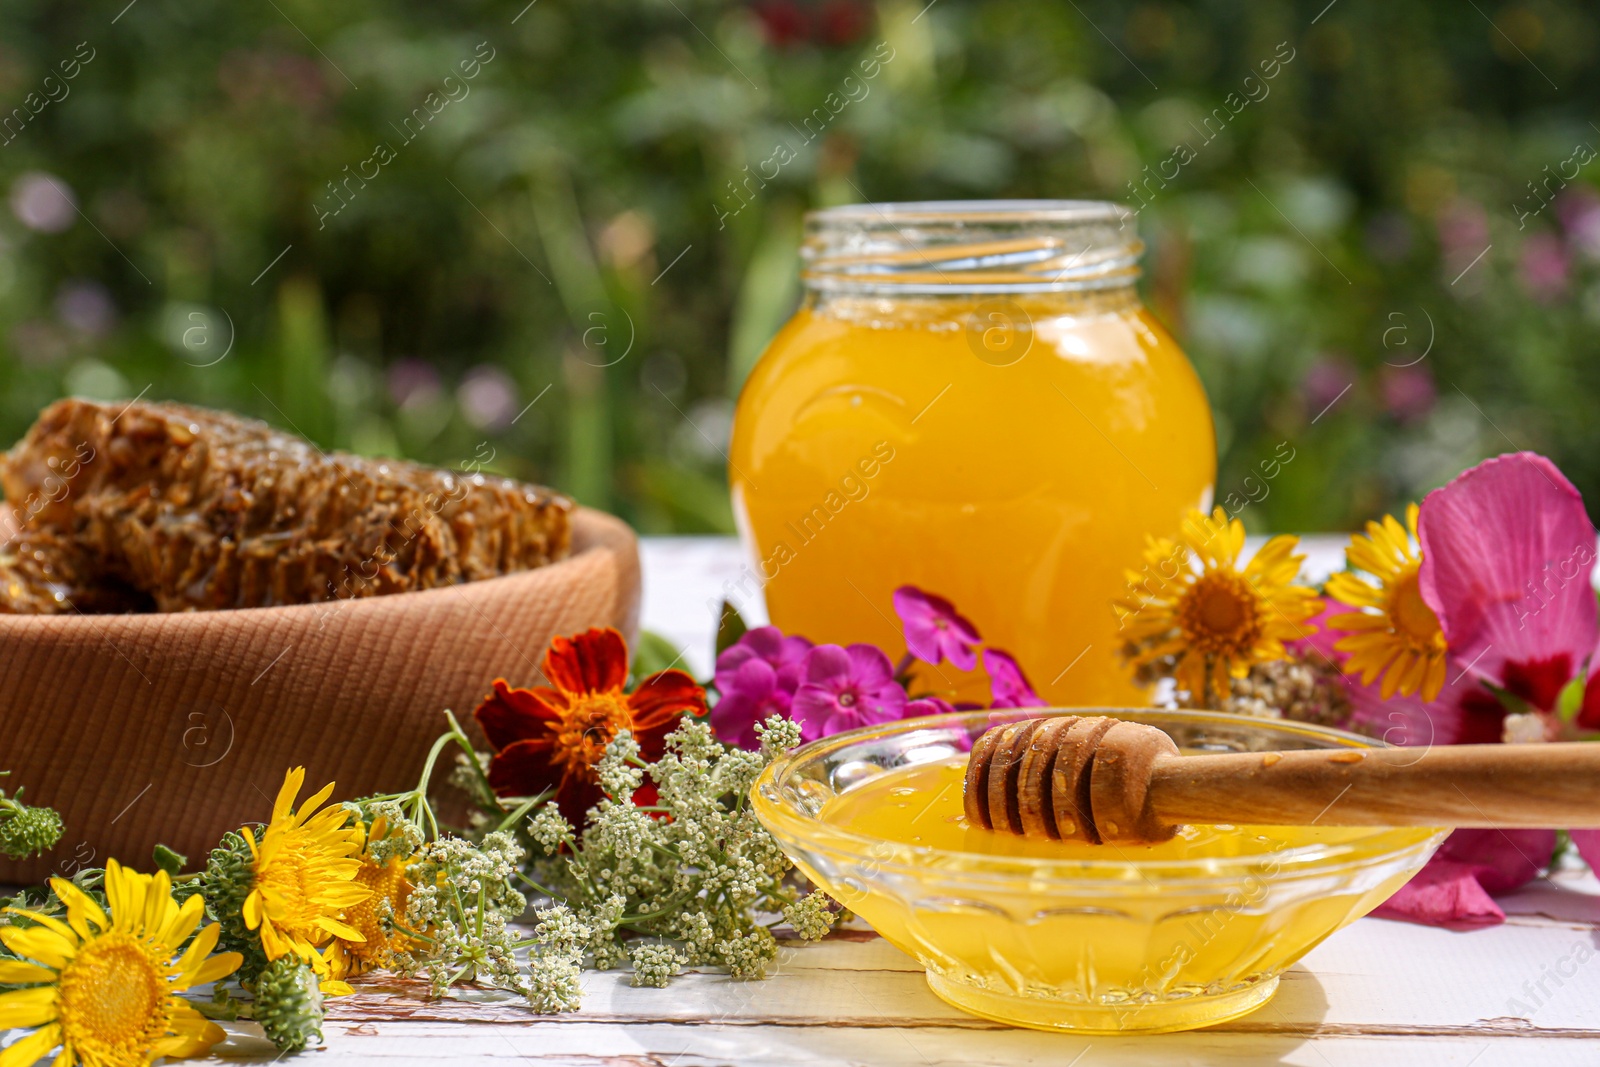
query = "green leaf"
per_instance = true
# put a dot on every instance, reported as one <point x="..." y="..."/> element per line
<point x="1513" y="704"/>
<point x="654" y="654"/>
<point x="730" y="627"/>
<point x="168" y="860"/>
<point x="1570" y="702"/>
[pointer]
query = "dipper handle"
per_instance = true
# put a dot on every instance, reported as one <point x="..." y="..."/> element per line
<point x="1505" y="786"/>
<point x="1099" y="779"/>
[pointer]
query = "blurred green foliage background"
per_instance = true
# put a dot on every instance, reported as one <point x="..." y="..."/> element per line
<point x="539" y="264"/>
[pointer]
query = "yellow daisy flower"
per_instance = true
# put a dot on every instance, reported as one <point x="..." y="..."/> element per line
<point x="1393" y="632"/>
<point x="304" y="877"/>
<point x="389" y="887"/>
<point x="1217" y="621"/>
<point x="105" y="987"/>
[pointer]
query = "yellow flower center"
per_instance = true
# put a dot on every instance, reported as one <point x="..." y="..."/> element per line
<point x="589" y="725"/>
<point x="286" y="885"/>
<point x="388" y="883"/>
<point x="1220" y="613"/>
<point x="1410" y="615"/>
<point x="113" y="997"/>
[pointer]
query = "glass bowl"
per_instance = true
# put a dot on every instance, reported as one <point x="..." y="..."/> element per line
<point x="1114" y="945"/>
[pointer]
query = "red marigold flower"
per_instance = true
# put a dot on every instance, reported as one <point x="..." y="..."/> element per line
<point x="551" y="737"/>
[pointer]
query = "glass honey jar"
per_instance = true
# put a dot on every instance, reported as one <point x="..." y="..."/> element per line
<point x="971" y="399"/>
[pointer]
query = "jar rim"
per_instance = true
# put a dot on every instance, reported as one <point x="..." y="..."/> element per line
<point x="970" y="246"/>
<point x="975" y="210"/>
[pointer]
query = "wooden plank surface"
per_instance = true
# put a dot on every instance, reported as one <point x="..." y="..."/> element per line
<point x="1377" y="993"/>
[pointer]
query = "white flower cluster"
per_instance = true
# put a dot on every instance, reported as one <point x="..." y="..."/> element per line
<point x="550" y="830"/>
<point x="694" y="871"/>
<point x="692" y="880"/>
<point x="655" y="963"/>
<point x="810" y="916"/>
<point x="557" y="960"/>
<point x="463" y="898"/>
<point x="401" y="838"/>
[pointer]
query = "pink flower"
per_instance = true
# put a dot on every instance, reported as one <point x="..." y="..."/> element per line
<point x="750" y="695"/>
<point x="842" y="688"/>
<point x="1507" y="550"/>
<point x="1327" y="380"/>
<point x="782" y="653"/>
<point x="756" y="677"/>
<point x="1544" y="267"/>
<point x="1463" y="231"/>
<point x="927" y="706"/>
<point x="1008" y="686"/>
<point x="1408" y="392"/>
<point x="1454" y="888"/>
<point x="934" y="630"/>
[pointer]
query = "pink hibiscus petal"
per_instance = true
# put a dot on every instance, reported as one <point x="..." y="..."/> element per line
<point x="1507" y="549"/>
<point x="1450" y="719"/>
<point x="1505" y="859"/>
<point x="1443" y="893"/>
<point x="1587" y="842"/>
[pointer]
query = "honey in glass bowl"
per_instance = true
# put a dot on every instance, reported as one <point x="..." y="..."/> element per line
<point x="1071" y="936"/>
<point x="971" y="399"/>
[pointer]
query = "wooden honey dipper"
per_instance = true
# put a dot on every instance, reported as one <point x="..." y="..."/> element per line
<point x="1102" y="780"/>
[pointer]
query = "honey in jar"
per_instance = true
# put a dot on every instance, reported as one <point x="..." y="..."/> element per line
<point x="973" y="400"/>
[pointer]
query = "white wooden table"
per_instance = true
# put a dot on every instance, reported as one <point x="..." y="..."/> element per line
<point x="1377" y="993"/>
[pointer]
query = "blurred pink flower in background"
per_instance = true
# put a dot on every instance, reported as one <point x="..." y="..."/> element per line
<point x="1578" y="209"/>
<point x="86" y="307"/>
<point x="1463" y="228"/>
<point x="1328" y="378"/>
<point x="1543" y="268"/>
<point x="488" y="397"/>
<point x="928" y="706"/>
<point x="43" y="202"/>
<point x="412" y="381"/>
<point x="1408" y="392"/>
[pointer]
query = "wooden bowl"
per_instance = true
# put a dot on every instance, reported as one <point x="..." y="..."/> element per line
<point x="176" y="728"/>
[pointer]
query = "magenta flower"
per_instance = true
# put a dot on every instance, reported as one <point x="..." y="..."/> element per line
<point x="927" y="706"/>
<point x="782" y="653"/>
<point x="1408" y="392"/>
<point x="1008" y="686"/>
<point x="756" y="677"/>
<point x="1507" y="550"/>
<point x="749" y="695"/>
<point x="1544" y="267"/>
<point x="1326" y="380"/>
<point x="842" y="688"/>
<point x="934" y="630"/>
